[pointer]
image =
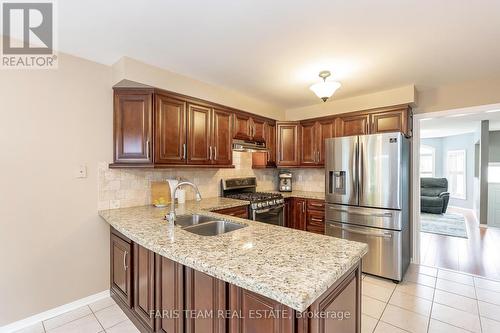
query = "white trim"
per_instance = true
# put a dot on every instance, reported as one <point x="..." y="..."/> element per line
<point x="23" y="323"/>
<point x="416" y="165"/>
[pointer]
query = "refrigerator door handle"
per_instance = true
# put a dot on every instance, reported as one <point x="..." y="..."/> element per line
<point x="358" y="213"/>
<point x="366" y="233"/>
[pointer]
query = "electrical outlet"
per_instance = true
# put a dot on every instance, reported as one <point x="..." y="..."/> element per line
<point x="81" y="171"/>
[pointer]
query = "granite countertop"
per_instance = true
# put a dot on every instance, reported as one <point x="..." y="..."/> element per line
<point x="302" y="194"/>
<point x="290" y="266"/>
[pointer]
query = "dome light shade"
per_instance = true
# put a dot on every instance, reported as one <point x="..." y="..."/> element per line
<point x="325" y="89"/>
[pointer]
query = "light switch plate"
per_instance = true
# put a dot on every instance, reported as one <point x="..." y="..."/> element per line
<point x="81" y="171"/>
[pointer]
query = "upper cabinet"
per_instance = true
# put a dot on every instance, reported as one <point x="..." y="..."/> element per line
<point x="391" y="121"/>
<point x="242" y="126"/>
<point x="288" y="152"/>
<point x="170" y="133"/>
<point x="353" y="125"/>
<point x="222" y="134"/>
<point x="199" y="149"/>
<point x="133" y="126"/>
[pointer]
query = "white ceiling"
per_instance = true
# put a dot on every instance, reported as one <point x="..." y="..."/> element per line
<point x="273" y="50"/>
<point x="437" y="127"/>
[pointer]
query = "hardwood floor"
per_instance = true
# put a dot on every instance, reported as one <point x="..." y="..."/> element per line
<point x="479" y="254"/>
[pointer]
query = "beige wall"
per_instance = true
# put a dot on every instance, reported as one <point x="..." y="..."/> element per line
<point x="396" y="96"/>
<point x="53" y="247"/>
<point x="459" y="95"/>
<point x="131" y="69"/>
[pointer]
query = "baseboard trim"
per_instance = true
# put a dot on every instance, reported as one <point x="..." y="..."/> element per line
<point x="32" y="320"/>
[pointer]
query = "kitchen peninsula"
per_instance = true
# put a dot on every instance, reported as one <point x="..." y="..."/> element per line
<point x="304" y="282"/>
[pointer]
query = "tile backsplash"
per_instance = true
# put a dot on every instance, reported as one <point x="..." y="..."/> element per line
<point x="120" y="188"/>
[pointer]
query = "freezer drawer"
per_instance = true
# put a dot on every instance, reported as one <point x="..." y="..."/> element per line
<point x="384" y="257"/>
<point x="367" y="217"/>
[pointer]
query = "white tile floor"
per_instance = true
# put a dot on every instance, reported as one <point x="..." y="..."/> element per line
<point x="102" y="316"/>
<point x="429" y="300"/>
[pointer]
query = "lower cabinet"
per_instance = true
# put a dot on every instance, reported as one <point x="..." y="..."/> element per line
<point x="205" y="302"/>
<point x="241" y="211"/>
<point x="306" y="214"/>
<point x="121" y="272"/>
<point x="163" y="296"/>
<point x="254" y="313"/>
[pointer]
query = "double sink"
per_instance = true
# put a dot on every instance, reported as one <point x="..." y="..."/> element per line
<point x="205" y="225"/>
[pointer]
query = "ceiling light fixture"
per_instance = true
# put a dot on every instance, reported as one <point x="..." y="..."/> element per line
<point x="325" y="89"/>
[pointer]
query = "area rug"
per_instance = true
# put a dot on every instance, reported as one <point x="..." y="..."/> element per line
<point x="448" y="224"/>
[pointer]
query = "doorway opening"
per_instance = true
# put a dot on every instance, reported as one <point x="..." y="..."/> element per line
<point x="456" y="160"/>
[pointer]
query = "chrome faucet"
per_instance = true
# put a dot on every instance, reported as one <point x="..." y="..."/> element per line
<point x="171" y="215"/>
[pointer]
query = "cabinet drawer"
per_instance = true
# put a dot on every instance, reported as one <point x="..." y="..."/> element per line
<point x="241" y="211"/>
<point x="315" y="204"/>
<point x="315" y="222"/>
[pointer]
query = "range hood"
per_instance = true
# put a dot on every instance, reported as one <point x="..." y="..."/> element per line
<point x="251" y="146"/>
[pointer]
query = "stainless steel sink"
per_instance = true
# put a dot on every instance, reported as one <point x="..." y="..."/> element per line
<point x="190" y="220"/>
<point x="214" y="228"/>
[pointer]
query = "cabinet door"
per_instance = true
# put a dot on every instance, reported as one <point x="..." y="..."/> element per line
<point x="342" y="298"/>
<point x="392" y="121"/>
<point x="353" y="125"/>
<point x="170" y="134"/>
<point x="133" y="127"/>
<point x="270" y="136"/>
<point x="198" y="137"/>
<point x="299" y="213"/>
<point x="222" y="137"/>
<point x="204" y="294"/>
<point x="308" y="144"/>
<point x="250" y="305"/>
<point x="326" y="130"/>
<point x="144" y="286"/>
<point x="288" y="144"/>
<point x="169" y="295"/>
<point x="241" y="211"/>
<point x="121" y="274"/>
<point x="258" y="129"/>
<point x="242" y="125"/>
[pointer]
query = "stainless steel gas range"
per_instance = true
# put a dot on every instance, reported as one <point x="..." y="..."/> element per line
<point x="264" y="206"/>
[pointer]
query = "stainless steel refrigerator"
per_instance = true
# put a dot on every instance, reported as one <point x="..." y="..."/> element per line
<point x="367" y="198"/>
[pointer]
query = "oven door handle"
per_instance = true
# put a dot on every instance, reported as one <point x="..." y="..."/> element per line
<point x="267" y="210"/>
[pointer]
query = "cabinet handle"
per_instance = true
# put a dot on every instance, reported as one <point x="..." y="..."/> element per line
<point x="303" y="207"/>
<point x="184" y="151"/>
<point x="319" y="156"/>
<point x="148" y="149"/>
<point x="316" y="220"/>
<point x="210" y="153"/>
<point x="215" y="152"/>
<point x="125" y="267"/>
<point x="316" y="205"/>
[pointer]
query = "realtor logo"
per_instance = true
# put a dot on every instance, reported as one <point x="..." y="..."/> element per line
<point x="28" y="35"/>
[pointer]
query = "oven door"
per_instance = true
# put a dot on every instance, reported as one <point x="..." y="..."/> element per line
<point x="272" y="215"/>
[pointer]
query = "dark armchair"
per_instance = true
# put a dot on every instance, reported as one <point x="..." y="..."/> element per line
<point x="434" y="195"/>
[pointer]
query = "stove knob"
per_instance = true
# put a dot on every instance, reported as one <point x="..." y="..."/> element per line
<point x="259" y="205"/>
<point x="265" y="204"/>
<point x="254" y="206"/>
<point x="272" y="202"/>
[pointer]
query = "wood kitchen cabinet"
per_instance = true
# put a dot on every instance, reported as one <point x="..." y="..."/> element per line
<point x="353" y="125"/>
<point x="249" y="304"/>
<point x="170" y="130"/>
<point x="242" y="126"/>
<point x="309" y="143"/>
<point x="121" y="272"/>
<point x="298" y="214"/>
<point x="133" y="126"/>
<point x="391" y="121"/>
<point x="288" y="149"/>
<point x="204" y="293"/>
<point x="199" y="135"/>
<point x="222" y="137"/>
<point x="169" y="295"/>
<point x="172" y="298"/>
<point x="144" y="285"/>
<point x="305" y="214"/>
<point x="326" y="130"/>
<point x="270" y="137"/>
<point x="241" y="211"/>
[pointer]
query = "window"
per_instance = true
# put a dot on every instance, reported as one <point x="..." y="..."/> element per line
<point x="456" y="173"/>
<point x="427" y="161"/>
